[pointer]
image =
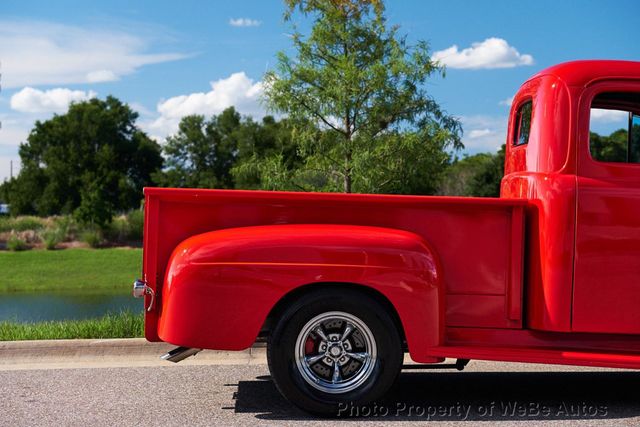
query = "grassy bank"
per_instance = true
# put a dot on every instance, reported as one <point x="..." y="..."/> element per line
<point x="120" y="325"/>
<point x="71" y="269"/>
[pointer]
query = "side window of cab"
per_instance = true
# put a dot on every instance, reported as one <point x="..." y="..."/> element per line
<point x="522" y="124"/>
<point x="614" y="127"/>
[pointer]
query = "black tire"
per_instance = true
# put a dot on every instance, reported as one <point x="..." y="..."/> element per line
<point x="383" y="369"/>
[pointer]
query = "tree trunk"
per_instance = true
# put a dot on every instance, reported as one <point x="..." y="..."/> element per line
<point x="347" y="172"/>
<point x="348" y="153"/>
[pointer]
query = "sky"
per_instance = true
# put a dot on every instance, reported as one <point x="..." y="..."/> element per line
<point x="171" y="59"/>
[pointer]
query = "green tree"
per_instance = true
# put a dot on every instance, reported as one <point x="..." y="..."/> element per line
<point x="478" y="175"/>
<point x="355" y="94"/>
<point x="611" y="148"/>
<point x="460" y="175"/>
<point x="202" y="152"/>
<point x="222" y="151"/>
<point x="92" y="157"/>
<point x="267" y="154"/>
<point x="486" y="183"/>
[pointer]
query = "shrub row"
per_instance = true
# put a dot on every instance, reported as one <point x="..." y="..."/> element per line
<point x="21" y="233"/>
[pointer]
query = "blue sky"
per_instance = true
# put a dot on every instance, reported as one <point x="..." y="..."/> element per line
<point x="168" y="59"/>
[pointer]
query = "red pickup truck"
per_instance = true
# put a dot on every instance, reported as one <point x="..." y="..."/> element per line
<point x="342" y="286"/>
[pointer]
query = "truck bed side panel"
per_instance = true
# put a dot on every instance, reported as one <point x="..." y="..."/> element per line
<point x="479" y="252"/>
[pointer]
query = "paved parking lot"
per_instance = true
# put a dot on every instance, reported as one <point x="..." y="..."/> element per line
<point x="225" y="394"/>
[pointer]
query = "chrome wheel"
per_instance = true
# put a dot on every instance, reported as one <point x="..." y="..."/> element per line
<point x="335" y="352"/>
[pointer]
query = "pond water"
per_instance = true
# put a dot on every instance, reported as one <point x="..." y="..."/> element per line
<point x="37" y="307"/>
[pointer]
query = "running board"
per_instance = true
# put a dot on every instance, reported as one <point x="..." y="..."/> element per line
<point x="540" y="355"/>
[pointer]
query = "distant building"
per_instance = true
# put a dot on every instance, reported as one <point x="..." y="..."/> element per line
<point x="4" y="209"/>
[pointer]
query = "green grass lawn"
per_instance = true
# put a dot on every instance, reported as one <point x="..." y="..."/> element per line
<point x="70" y="269"/>
<point x="118" y="325"/>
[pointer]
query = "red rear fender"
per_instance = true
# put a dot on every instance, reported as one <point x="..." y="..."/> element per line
<point x="220" y="286"/>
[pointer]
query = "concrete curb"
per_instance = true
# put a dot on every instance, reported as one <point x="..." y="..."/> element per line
<point x="104" y="353"/>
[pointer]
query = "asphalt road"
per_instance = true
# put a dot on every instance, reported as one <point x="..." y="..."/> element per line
<point x="226" y="395"/>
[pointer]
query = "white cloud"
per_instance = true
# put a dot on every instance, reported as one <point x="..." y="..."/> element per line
<point x="244" y="22"/>
<point x="237" y="90"/>
<point x="483" y="133"/>
<point x="44" y="53"/>
<point x="507" y="102"/>
<point x="30" y="100"/>
<point x="492" y="53"/>
<point x="609" y="116"/>
<point x="101" y="76"/>
<point x="479" y="133"/>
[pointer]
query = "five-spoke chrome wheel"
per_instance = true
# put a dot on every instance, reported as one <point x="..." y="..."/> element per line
<point x="335" y="352"/>
<point x="333" y="346"/>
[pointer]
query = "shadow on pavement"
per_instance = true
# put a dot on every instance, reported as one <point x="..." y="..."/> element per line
<point x="476" y="396"/>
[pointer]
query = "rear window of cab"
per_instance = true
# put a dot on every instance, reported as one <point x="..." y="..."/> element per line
<point x="522" y="124"/>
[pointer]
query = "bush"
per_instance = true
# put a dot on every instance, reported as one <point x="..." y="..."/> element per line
<point x="118" y="230"/>
<point x="94" y="207"/>
<point x="126" y="228"/>
<point x="51" y="238"/>
<point x="135" y="219"/>
<point x="16" y="244"/>
<point x="93" y="237"/>
<point x="21" y="223"/>
<point x="51" y="231"/>
<point x="66" y="227"/>
<point x="26" y="223"/>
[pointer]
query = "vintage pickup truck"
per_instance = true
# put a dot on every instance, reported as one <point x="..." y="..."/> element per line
<point x="342" y="286"/>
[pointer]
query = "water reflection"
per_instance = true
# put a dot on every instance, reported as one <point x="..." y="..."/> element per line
<point x="37" y="307"/>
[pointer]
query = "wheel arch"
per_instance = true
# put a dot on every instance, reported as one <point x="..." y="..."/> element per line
<point x="278" y="309"/>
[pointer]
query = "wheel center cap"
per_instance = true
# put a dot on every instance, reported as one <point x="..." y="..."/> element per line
<point x="335" y="351"/>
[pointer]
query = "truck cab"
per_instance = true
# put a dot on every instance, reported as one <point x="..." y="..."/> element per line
<point x="584" y="233"/>
<point x="342" y="286"/>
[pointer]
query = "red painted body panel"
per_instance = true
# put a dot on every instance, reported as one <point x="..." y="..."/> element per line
<point x="548" y="273"/>
<point x="586" y="212"/>
<point x="241" y="273"/>
<point x="613" y="350"/>
<point x="474" y="233"/>
<point x="542" y="172"/>
<point x="606" y="294"/>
